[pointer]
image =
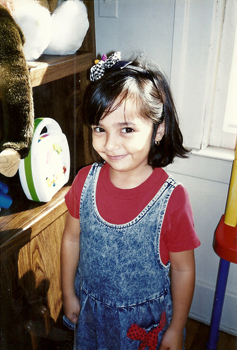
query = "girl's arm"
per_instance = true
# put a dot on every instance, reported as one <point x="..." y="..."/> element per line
<point x="69" y="263"/>
<point x="182" y="289"/>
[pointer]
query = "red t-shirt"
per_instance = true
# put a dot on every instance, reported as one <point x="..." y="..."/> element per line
<point x="119" y="206"/>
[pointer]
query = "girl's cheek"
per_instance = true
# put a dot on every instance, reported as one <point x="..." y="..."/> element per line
<point x="96" y="143"/>
<point x="138" y="144"/>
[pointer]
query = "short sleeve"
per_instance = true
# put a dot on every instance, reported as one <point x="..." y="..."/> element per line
<point x="179" y="230"/>
<point x="73" y="196"/>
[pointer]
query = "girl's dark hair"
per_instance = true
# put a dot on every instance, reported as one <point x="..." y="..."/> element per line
<point x="150" y="90"/>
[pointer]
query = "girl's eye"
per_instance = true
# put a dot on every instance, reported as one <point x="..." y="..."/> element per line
<point x="127" y="130"/>
<point x="98" y="129"/>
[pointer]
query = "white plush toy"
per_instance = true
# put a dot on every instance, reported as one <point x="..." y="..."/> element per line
<point x="53" y="27"/>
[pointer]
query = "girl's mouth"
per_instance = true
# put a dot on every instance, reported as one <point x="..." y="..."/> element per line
<point x="119" y="157"/>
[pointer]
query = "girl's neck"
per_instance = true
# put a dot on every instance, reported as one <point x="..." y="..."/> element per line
<point x="127" y="180"/>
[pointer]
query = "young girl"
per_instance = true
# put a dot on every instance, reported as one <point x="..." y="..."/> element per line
<point x="134" y="221"/>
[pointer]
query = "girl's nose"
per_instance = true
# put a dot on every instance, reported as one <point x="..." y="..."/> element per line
<point x="111" y="142"/>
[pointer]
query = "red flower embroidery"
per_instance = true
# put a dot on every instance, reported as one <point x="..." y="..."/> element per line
<point x="147" y="338"/>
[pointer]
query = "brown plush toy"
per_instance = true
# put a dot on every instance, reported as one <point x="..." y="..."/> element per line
<point x="16" y="102"/>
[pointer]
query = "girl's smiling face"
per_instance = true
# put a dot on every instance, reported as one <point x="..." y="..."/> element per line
<point x="123" y="139"/>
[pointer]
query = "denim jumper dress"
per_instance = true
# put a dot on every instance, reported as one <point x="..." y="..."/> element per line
<point x="122" y="284"/>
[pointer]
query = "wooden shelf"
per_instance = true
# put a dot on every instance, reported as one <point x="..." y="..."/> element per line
<point x="20" y="226"/>
<point x="49" y="68"/>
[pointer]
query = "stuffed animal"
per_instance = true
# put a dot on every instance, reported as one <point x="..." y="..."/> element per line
<point x="16" y="103"/>
<point x="53" y="27"/>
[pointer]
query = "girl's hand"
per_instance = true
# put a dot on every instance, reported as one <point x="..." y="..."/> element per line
<point x="172" y="340"/>
<point x="72" y="308"/>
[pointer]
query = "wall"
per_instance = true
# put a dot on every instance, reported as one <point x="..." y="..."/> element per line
<point x="140" y="26"/>
<point x="177" y="35"/>
<point x="207" y="181"/>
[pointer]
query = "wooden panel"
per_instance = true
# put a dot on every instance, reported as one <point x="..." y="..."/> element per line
<point x="39" y="267"/>
<point x="30" y="279"/>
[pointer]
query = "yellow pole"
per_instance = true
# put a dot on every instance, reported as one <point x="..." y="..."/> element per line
<point x="231" y="206"/>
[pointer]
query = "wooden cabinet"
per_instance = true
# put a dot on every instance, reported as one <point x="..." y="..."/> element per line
<point x="31" y="232"/>
<point x="31" y="307"/>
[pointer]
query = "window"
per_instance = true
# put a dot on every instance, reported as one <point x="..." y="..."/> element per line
<point x="203" y="72"/>
<point x="230" y="120"/>
<point x="224" y="117"/>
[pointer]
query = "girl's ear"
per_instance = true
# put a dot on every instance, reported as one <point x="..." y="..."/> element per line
<point x="160" y="132"/>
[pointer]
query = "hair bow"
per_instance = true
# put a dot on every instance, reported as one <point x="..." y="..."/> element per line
<point x="98" y="70"/>
<point x="147" y="338"/>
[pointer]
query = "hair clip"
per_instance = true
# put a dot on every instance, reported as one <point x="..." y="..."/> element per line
<point x="98" y="70"/>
